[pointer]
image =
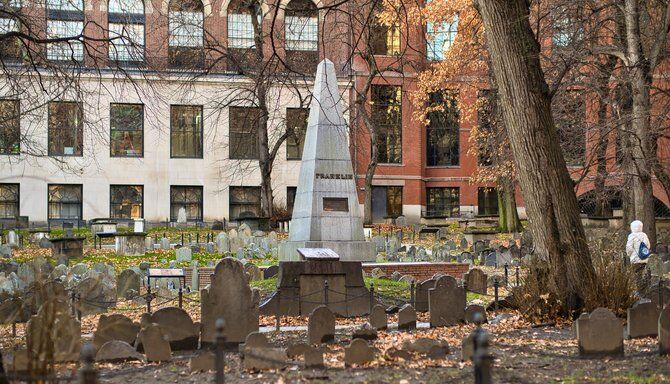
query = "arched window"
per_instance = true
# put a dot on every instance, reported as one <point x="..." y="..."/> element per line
<point x="242" y="53"/>
<point x="302" y="26"/>
<point x="10" y="49"/>
<point x="440" y="37"/>
<point x="186" y="40"/>
<point x="65" y="18"/>
<point x="126" y="31"/>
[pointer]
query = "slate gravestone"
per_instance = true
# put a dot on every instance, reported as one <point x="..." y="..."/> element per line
<point x="358" y="352"/>
<point x="503" y="256"/>
<point x="117" y="351"/>
<point x="44" y="243"/>
<point x="642" y="320"/>
<point x="472" y="310"/>
<point x="421" y="254"/>
<point x="466" y="257"/>
<point x="476" y="281"/>
<point x="115" y="327"/>
<point x="313" y="358"/>
<point x="255" y="273"/>
<point x="421" y="295"/>
<point x="655" y="265"/>
<point x="446" y="303"/>
<point x="5" y="251"/>
<point x="491" y="260"/>
<point x="378" y="318"/>
<point x="407" y="317"/>
<point x="165" y="243"/>
<point x="149" y="243"/>
<point x="294" y="350"/>
<point x="411" y="252"/>
<point x="210" y="248"/>
<point x="154" y="343"/>
<point x="222" y="243"/>
<point x="255" y="340"/>
<point x="599" y="333"/>
<point x="321" y="326"/>
<point x="181" y="332"/>
<point x="128" y="280"/>
<point x="54" y="321"/>
<point x="464" y="243"/>
<point x="664" y="331"/>
<point x="229" y="297"/>
<point x="401" y="221"/>
<point x="478" y="246"/>
<point x="380" y="243"/>
<point x="270" y="271"/>
<point x="258" y="359"/>
<point x="12" y="239"/>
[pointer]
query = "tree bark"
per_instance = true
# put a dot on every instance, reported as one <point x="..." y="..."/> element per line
<point x="508" y="217"/>
<point x="546" y="186"/>
<point x="643" y="148"/>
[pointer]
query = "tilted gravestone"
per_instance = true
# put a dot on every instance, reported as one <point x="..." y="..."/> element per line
<point x="407" y="317"/>
<point x="53" y="328"/>
<point x="358" y="352"/>
<point x="230" y="298"/>
<point x="115" y="327"/>
<point x="664" y="331"/>
<point x="599" y="333"/>
<point x="421" y="295"/>
<point x="177" y="326"/>
<point x="116" y="351"/>
<point x="378" y="318"/>
<point x="642" y="320"/>
<point x="471" y="311"/>
<point x="154" y="343"/>
<point x="321" y="326"/>
<point x="446" y="303"/>
<point x="476" y="281"/>
<point x="128" y="280"/>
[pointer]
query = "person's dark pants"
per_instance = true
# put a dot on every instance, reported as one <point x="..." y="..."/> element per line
<point x="641" y="278"/>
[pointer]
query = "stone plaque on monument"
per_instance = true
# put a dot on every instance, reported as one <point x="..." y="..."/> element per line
<point x="318" y="254"/>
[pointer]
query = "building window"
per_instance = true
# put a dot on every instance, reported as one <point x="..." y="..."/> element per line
<point x="10" y="49"/>
<point x="487" y="201"/>
<point x="66" y="128"/>
<point x="245" y="202"/>
<point x="65" y="201"/>
<point x="189" y="198"/>
<point x="487" y="105"/>
<point x="127" y="130"/>
<point x="569" y="111"/>
<point x="10" y="132"/>
<point x="186" y="131"/>
<point x="9" y="201"/>
<point x="386" y="203"/>
<point x="442" y="202"/>
<point x="244" y="132"/>
<point x="126" y="31"/>
<point x="442" y="131"/>
<point x="186" y="40"/>
<point x="567" y="25"/>
<point x="126" y="201"/>
<point x="384" y="38"/>
<point x="290" y="199"/>
<point x="296" y="127"/>
<point x="65" y="19"/>
<point x="302" y="26"/>
<point x="387" y="116"/>
<point x="440" y="37"/>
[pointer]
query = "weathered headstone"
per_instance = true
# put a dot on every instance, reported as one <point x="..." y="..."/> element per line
<point x="117" y="350"/>
<point x="270" y="271"/>
<point x="664" y="331"/>
<point x="358" y="352"/>
<point x="380" y="243"/>
<point x="365" y="332"/>
<point x="378" y="318"/>
<point x="53" y="328"/>
<point x="599" y="333"/>
<point x="406" y="317"/>
<point x="178" y="328"/>
<point x="401" y="221"/>
<point x="491" y="260"/>
<point x="257" y="359"/>
<point x="229" y="297"/>
<point x="468" y="347"/>
<point x="183" y="254"/>
<point x="421" y="295"/>
<point x="655" y="265"/>
<point x="426" y="345"/>
<point x="165" y="243"/>
<point x="446" y="303"/>
<point x="476" y="281"/>
<point x="313" y="358"/>
<point x="321" y="326"/>
<point x="223" y="242"/>
<point x="115" y="327"/>
<point x="255" y="273"/>
<point x="642" y="320"/>
<point x="154" y="343"/>
<point x="254" y="340"/>
<point x="464" y="243"/>
<point x="202" y="362"/>
<point x="471" y="311"/>
<point x="128" y="280"/>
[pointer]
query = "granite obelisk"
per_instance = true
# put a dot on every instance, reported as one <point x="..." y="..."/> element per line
<point x="326" y="212"/>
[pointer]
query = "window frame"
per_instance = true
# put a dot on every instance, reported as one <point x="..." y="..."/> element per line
<point x="301" y="145"/>
<point x="66" y="16"/>
<point x="201" y="205"/>
<point x="383" y="133"/>
<point x="431" y="157"/>
<point x="486" y="206"/>
<point x="111" y="139"/>
<point x="3" y="151"/>
<point x="17" y="202"/>
<point x="237" y="204"/>
<point x="128" y="19"/>
<point x="49" y="136"/>
<point x="176" y="51"/>
<point x="202" y="132"/>
<point x="449" y="30"/>
<point x="254" y="131"/>
<point x="444" y="212"/>
<point x="81" y="202"/>
<point x="111" y="203"/>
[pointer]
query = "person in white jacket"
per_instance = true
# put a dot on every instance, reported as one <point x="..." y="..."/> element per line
<point x="635" y="238"/>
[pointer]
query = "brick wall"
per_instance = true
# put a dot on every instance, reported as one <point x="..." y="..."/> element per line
<point x="421" y="271"/>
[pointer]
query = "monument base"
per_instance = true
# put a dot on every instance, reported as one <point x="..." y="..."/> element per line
<point x="347" y="250"/>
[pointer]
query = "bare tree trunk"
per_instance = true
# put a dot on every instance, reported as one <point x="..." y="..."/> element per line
<point x="508" y="217"/>
<point x="642" y="145"/>
<point x="546" y="186"/>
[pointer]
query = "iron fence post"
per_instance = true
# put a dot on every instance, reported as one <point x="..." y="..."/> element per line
<point x="412" y="287"/>
<point x="496" y="284"/>
<point x="181" y="297"/>
<point x="325" y="292"/>
<point x="372" y="296"/>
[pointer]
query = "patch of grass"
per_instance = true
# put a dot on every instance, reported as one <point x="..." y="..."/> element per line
<point x="266" y="286"/>
<point x="623" y="377"/>
<point x="386" y="287"/>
